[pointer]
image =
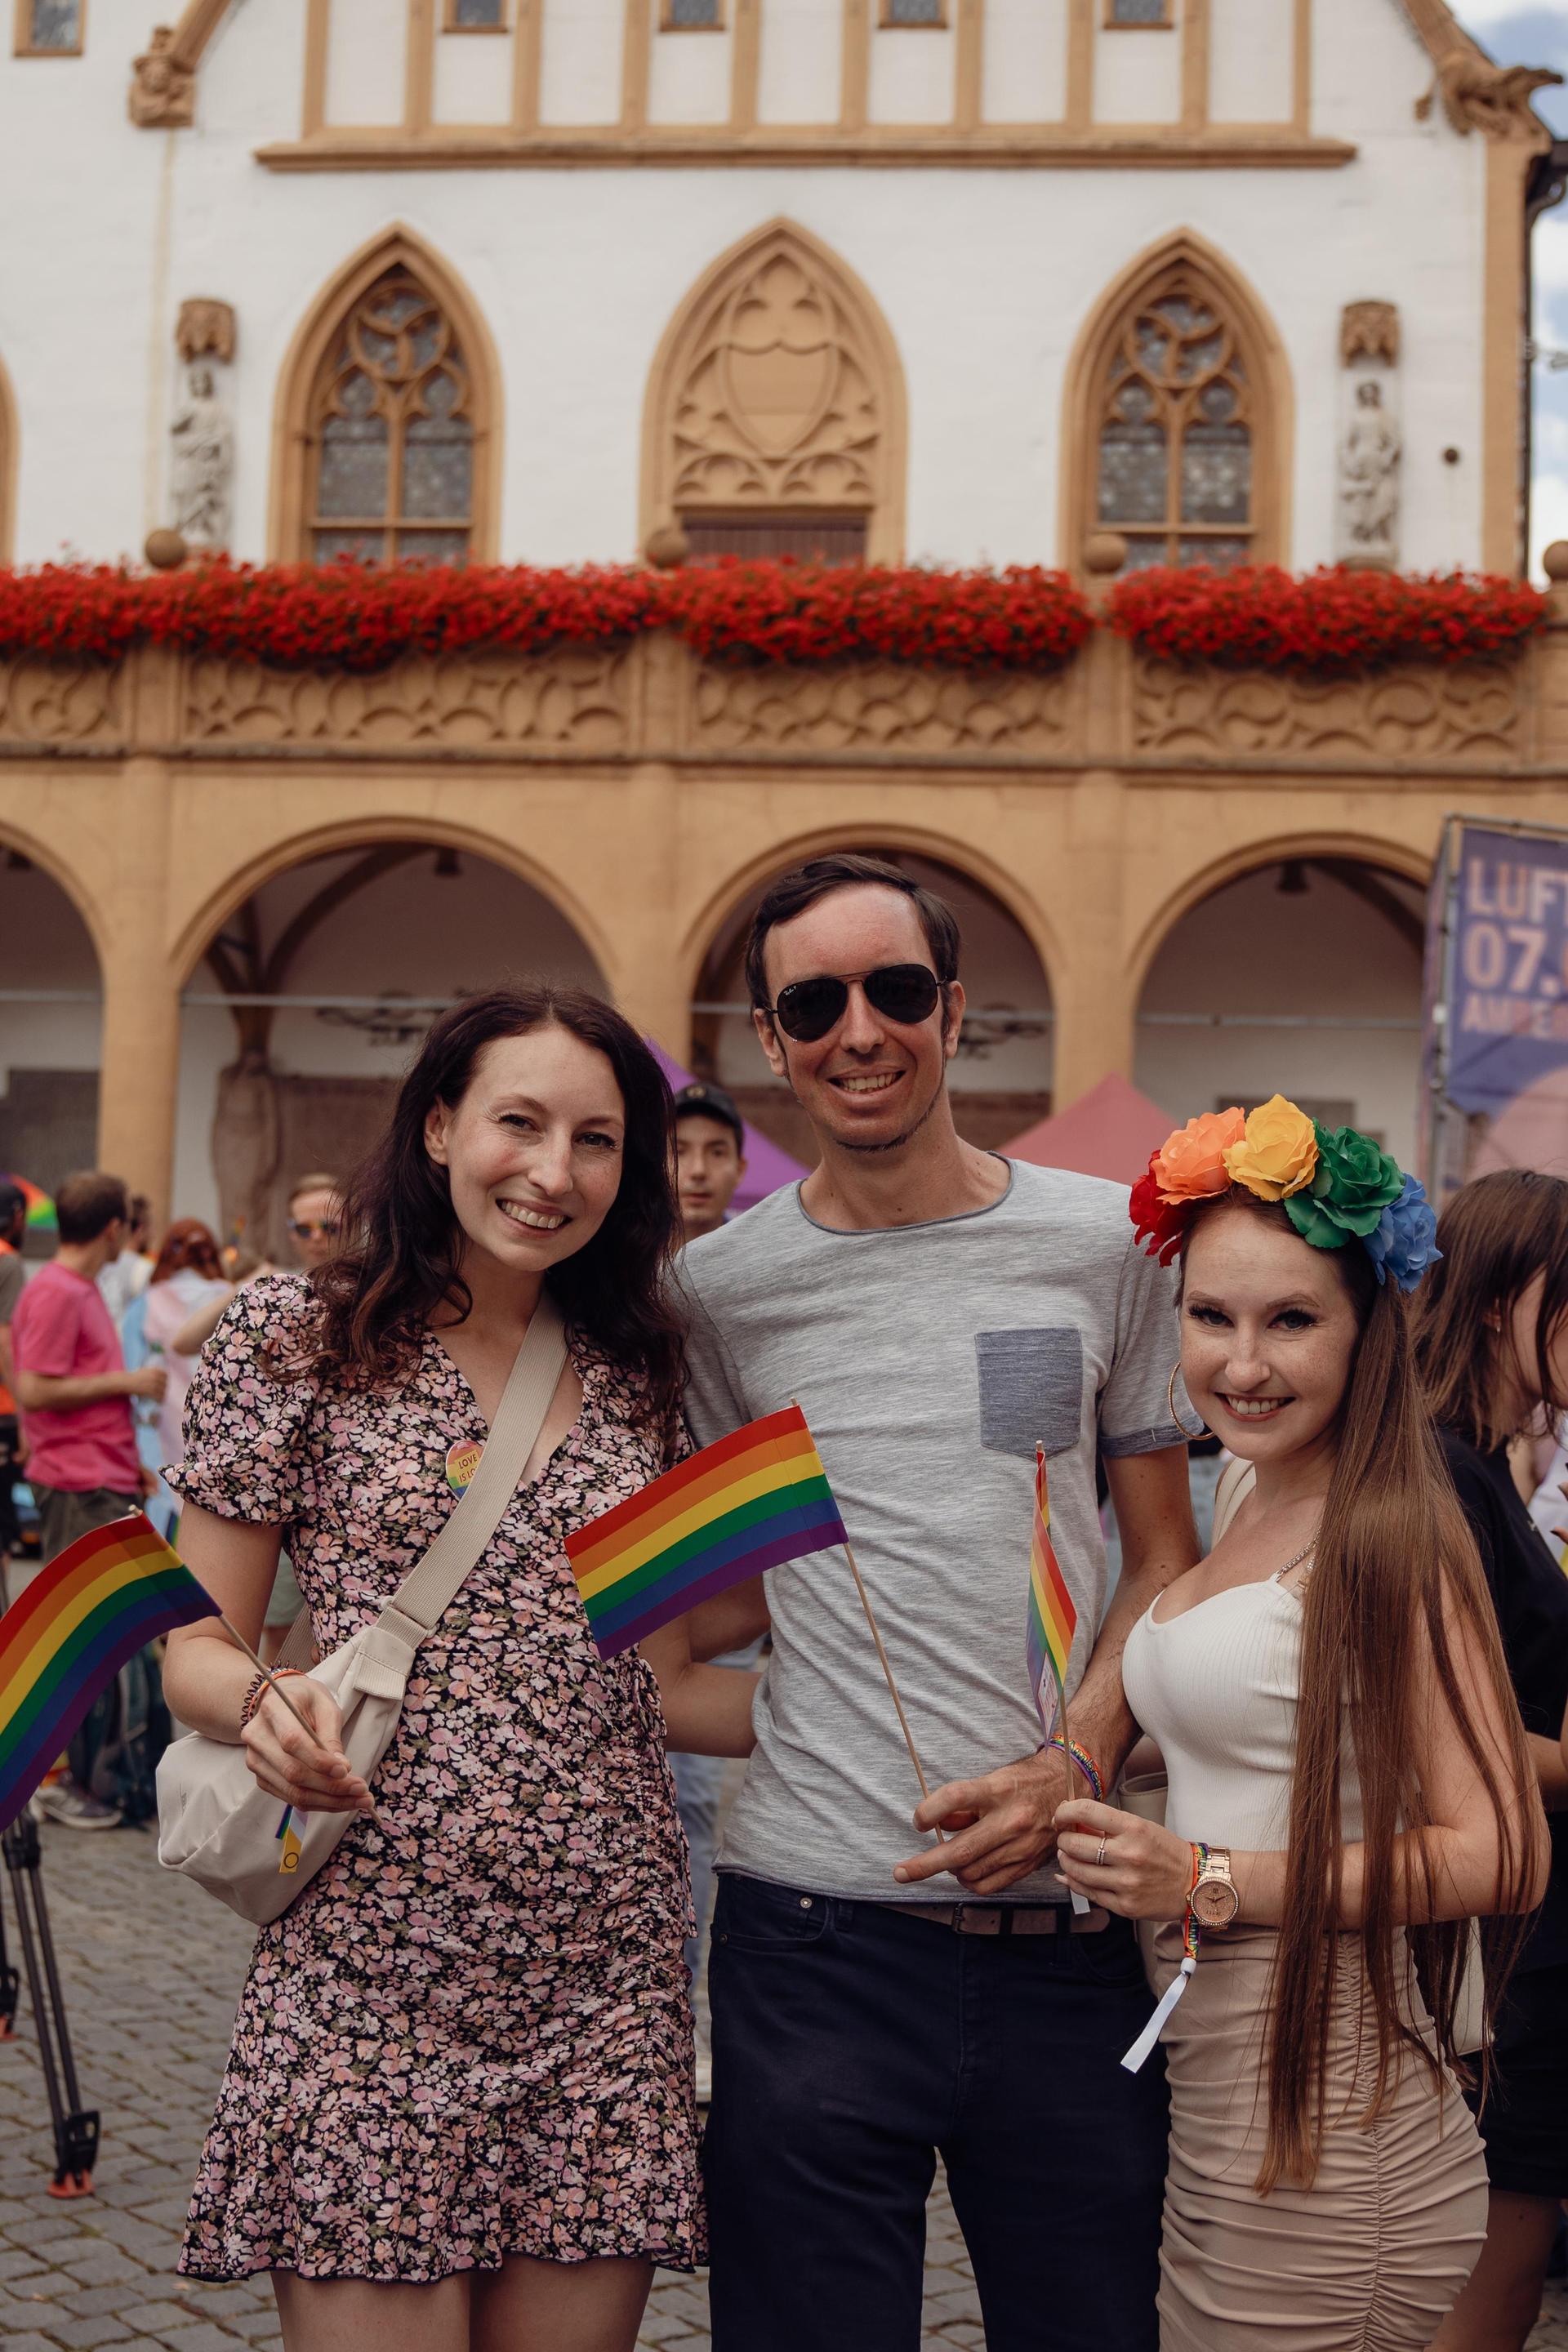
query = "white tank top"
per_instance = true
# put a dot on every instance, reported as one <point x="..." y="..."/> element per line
<point x="1217" y="1688"/>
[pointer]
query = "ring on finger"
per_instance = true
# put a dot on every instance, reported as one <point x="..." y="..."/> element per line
<point x="1099" y="1857"/>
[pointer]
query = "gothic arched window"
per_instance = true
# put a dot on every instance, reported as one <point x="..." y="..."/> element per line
<point x="1180" y="419"/>
<point x="391" y="433"/>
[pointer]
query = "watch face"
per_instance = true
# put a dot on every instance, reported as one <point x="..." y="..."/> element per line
<point x="1215" y="1902"/>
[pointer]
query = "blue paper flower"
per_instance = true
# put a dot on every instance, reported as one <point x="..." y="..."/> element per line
<point x="1403" y="1242"/>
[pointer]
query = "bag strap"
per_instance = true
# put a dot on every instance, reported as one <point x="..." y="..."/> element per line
<point x="431" y="1584"/>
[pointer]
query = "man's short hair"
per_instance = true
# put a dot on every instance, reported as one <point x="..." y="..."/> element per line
<point x="12" y="1203"/>
<point x="87" y="1204"/>
<point x="317" y="1182"/>
<point x="794" y="892"/>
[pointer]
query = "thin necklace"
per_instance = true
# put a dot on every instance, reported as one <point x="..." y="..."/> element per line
<point x="1310" y="1547"/>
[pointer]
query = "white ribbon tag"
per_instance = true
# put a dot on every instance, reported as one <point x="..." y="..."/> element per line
<point x="1151" y="2031"/>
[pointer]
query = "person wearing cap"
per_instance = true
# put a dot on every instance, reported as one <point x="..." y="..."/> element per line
<point x="710" y="1155"/>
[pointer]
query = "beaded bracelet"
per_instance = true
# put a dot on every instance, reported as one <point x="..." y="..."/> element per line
<point x="1192" y="1930"/>
<point x="1085" y="1762"/>
<point x="259" y="1687"/>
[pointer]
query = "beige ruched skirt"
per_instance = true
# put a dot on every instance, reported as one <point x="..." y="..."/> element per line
<point x="1372" y="2256"/>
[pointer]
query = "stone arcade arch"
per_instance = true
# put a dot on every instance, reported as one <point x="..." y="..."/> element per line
<point x="1299" y="973"/>
<point x="360" y="942"/>
<point x="51" y="1022"/>
<point x="1001" y="1078"/>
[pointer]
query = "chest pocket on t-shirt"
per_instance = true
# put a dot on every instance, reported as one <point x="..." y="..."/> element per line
<point x="1031" y="1390"/>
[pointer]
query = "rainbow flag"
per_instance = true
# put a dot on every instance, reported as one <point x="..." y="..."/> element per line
<point x="753" y="1501"/>
<point x="1053" y="1619"/>
<point x="100" y="1601"/>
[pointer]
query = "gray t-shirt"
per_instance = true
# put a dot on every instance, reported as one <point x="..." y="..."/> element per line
<point x="927" y="1358"/>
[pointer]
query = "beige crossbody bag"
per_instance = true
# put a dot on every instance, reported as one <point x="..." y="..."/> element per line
<point x="214" y="1823"/>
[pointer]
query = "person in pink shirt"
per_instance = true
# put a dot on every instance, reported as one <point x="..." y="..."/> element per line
<point x="75" y="1395"/>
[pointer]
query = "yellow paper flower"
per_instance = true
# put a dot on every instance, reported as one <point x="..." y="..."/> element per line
<point x="1190" y="1165"/>
<point x="1277" y="1154"/>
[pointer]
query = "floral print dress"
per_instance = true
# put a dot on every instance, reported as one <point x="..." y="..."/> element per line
<point x="470" y="2038"/>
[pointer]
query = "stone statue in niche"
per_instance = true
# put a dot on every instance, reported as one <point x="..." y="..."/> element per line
<point x="203" y="437"/>
<point x="1369" y="478"/>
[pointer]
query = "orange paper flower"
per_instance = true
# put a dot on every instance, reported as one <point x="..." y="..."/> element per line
<point x="1190" y="1164"/>
<point x="1277" y="1153"/>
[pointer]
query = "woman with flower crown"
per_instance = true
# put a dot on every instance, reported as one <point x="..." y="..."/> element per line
<point x="1348" y="1779"/>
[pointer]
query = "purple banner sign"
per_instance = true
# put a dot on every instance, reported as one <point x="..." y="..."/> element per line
<point x="1507" y="992"/>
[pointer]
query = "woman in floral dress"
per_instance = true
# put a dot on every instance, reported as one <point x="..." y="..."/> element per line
<point x="459" y="2109"/>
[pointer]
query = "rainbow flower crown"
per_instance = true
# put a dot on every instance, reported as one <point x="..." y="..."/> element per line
<point x="1336" y="1186"/>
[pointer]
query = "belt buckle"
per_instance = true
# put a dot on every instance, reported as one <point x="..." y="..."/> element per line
<point x="980" y="1920"/>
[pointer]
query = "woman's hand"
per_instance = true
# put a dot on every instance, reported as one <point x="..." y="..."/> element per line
<point x="308" y="1771"/>
<point x="1147" y="1873"/>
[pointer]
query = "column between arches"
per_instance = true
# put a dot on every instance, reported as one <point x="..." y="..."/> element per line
<point x="140" y="1082"/>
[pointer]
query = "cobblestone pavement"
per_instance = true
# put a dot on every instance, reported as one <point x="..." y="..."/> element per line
<point x="151" y="1969"/>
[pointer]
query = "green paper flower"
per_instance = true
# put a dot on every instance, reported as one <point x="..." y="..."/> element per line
<point x="1355" y="1182"/>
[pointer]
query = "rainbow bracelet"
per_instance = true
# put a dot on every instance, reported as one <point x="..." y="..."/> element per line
<point x="1085" y="1762"/>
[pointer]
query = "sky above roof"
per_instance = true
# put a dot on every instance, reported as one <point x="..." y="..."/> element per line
<point x="1537" y="34"/>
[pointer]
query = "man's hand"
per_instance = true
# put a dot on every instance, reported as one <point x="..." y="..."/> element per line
<point x="146" y="1484"/>
<point x="1001" y="1827"/>
<point x="149" y="1381"/>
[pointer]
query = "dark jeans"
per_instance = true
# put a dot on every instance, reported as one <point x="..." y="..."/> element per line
<point x="849" y="2047"/>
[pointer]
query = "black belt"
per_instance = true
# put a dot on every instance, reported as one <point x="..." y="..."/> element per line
<point x="1003" y="1918"/>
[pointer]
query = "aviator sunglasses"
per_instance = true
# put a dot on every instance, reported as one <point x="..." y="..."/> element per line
<point x="904" y="992"/>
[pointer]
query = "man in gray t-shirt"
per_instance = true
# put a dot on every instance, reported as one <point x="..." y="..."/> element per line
<point x="936" y="1310"/>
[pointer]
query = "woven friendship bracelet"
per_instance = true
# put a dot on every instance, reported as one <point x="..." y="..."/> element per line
<point x="1085" y="1762"/>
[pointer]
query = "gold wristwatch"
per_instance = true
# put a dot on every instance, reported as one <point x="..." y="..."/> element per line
<point x="1215" y="1901"/>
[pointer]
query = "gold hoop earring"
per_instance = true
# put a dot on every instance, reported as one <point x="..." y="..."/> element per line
<point x="1171" y="1404"/>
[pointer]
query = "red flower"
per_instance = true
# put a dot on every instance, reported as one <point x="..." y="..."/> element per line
<point x="1158" y="1226"/>
<point x="1330" y="621"/>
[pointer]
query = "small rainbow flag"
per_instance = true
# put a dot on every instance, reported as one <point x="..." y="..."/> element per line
<point x="1053" y="1619"/>
<point x="105" y="1597"/>
<point x="756" y="1500"/>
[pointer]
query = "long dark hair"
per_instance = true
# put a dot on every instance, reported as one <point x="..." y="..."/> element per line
<point x="400" y="1259"/>
<point x="1397" y="1577"/>
<point x="1496" y="1236"/>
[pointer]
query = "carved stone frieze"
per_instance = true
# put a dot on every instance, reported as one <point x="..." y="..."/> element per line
<point x="162" y="86"/>
<point x="577" y="700"/>
<point x="45" y="701"/>
<point x="875" y="707"/>
<point x="206" y="330"/>
<point x="1417" y="710"/>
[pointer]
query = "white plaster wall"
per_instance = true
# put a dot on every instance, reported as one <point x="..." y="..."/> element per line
<point x="1138" y="73"/>
<point x="1024" y="71"/>
<point x="688" y="76"/>
<point x="984" y="279"/>
<point x="473" y="78"/>
<point x="1252" y="60"/>
<point x="367" y="53"/>
<point x="580" y="61"/>
<point x="800" y="60"/>
<point x="911" y="74"/>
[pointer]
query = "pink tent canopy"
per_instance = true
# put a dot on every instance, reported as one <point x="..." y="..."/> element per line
<point x="1109" y="1131"/>
<point x="766" y="1166"/>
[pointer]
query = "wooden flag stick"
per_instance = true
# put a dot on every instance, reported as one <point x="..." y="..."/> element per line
<point x="1080" y="1903"/>
<point x="888" y="1678"/>
<point x="275" y="1688"/>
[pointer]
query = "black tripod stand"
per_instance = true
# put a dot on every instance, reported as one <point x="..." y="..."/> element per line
<point x="76" y="2128"/>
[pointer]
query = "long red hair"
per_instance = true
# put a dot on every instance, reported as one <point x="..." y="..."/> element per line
<point x="187" y="1247"/>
